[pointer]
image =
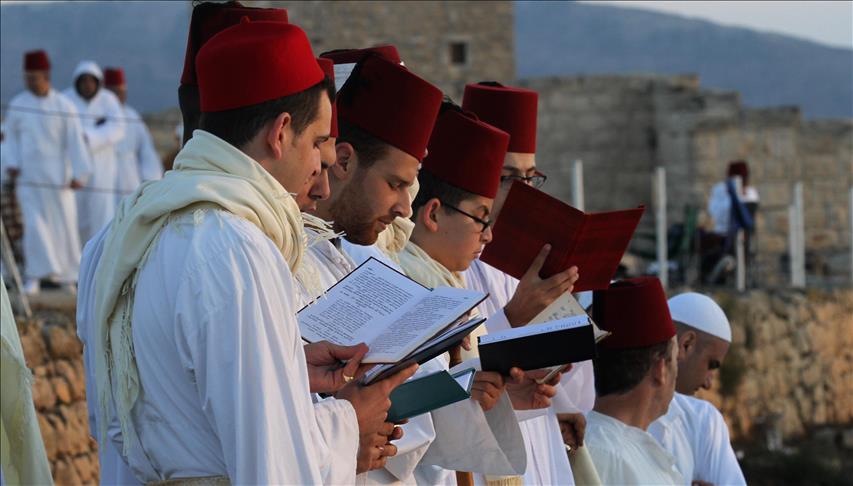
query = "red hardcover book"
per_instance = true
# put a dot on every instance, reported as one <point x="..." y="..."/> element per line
<point x="593" y="242"/>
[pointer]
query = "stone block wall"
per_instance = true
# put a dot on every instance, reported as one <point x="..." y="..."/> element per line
<point x="423" y="32"/>
<point x="55" y="355"/>
<point x="790" y="366"/>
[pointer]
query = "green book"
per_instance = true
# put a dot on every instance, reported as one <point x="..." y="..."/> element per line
<point x="427" y="393"/>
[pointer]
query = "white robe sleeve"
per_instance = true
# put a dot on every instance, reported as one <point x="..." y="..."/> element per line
<point x="469" y="439"/>
<point x="242" y="348"/>
<point x="111" y="131"/>
<point x="337" y="420"/>
<point x="75" y="147"/>
<point x="150" y="165"/>
<point x="714" y="459"/>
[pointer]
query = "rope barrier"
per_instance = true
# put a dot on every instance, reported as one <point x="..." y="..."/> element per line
<point x="68" y="114"/>
<point x="61" y="187"/>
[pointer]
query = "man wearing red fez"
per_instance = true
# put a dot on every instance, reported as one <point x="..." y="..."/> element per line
<point x="512" y="303"/>
<point x="635" y="376"/>
<point x="47" y="156"/>
<point x="452" y="213"/>
<point x="208" y="19"/>
<point x="730" y="211"/>
<point x="207" y="377"/>
<point x="103" y="125"/>
<point x="137" y="160"/>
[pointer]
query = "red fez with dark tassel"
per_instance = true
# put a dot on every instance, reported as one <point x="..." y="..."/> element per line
<point x="114" y="77"/>
<point x="328" y="68"/>
<point x="254" y="62"/>
<point x="467" y="153"/>
<point x="36" y="61"/>
<point x="352" y="56"/>
<point x="391" y="103"/>
<point x="513" y="110"/>
<point x="635" y="310"/>
<point x="210" y="18"/>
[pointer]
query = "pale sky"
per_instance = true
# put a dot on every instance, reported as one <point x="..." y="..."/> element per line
<point x="827" y="22"/>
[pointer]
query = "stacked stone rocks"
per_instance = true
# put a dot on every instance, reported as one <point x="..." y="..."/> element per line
<point x="55" y="356"/>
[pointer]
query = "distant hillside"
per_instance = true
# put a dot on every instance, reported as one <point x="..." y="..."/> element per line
<point x="552" y="38"/>
<point x="556" y="38"/>
<point x="147" y="39"/>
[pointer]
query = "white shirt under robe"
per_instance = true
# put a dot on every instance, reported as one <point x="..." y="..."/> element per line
<point x="44" y="140"/>
<point x="456" y="437"/>
<point x="96" y="206"/>
<point x="695" y="433"/>
<point x="136" y="159"/>
<point x="221" y="363"/>
<point x="547" y="462"/>
<point x="624" y="454"/>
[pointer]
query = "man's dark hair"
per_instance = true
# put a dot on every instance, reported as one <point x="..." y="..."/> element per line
<point x="240" y="125"/>
<point x="620" y="370"/>
<point x="434" y="188"/>
<point x="369" y="148"/>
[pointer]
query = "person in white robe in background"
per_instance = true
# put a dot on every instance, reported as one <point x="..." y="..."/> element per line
<point x="47" y="156"/>
<point x="693" y="430"/>
<point x="104" y="127"/>
<point x="511" y="305"/>
<point x="136" y="159"/>
<point x="635" y="374"/>
<point x="210" y="254"/>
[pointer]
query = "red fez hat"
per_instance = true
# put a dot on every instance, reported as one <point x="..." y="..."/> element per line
<point x="467" y="153"/>
<point x="210" y="18"/>
<point x="328" y="68"/>
<point x="513" y="110"/>
<point x="254" y="62"/>
<point x="391" y="103"/>
<point x="114" y="77"/>
<point x="352" y="56"/>
<point x="636" y="312"/>
<point x="739" y="168"/>
<point x="36" y="61"/>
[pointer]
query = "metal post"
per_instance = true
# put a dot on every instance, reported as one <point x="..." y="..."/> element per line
<point x="740" y="241"/>
<point x="797" y="238"/>
<point x="9" y="260"/>
<point x="659" y="188"/>
<point x="577" y="184"/>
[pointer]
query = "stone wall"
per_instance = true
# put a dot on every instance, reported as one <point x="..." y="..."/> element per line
<point x="790" y="367"/>
<point x="423" y="32"/>
<point x="622" y="127"/>
<point x="54" y="353"/>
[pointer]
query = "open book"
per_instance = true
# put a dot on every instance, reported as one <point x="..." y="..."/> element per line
<point x="567" y="306"/>
<point x="427" y="393"/>
<point x="394" y="315"/>
<point x="593" y="242"/>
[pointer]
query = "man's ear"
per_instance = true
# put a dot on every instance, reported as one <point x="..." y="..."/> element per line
<point x="687" y="341"/>
<point x="659" y="370"/>
<point x="279" y="133"/>
<point x="346" y="161"/>
<point x="427" y="215"/>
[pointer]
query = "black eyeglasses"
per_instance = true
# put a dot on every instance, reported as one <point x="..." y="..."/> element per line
<point x="536" y="180"/>
<point x="485" y="224"/>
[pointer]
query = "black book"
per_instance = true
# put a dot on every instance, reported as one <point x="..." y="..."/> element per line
<point x="535" y="346"/>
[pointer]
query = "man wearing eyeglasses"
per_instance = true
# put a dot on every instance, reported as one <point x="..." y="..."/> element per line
<point x="513" y="303"/>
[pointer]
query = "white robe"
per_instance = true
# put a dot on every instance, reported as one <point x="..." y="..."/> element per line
<point x="97" y="205"/>
<point x="456" y="437"/>
<point x="695" y="433"/>
<point x="48" y="149"/>
<point x="720" y="205"/>
<point x="136" y="159"/>
<point x="547" y="462"/>
<point x="221" y="364"/>
<point x="623" y="454"/>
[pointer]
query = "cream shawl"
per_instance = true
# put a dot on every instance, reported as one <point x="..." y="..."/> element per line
<point x="394" y="238"/>
<point x="208" y="173"/>
<point x="425" y="270"/>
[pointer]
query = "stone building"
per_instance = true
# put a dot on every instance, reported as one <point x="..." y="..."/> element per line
<point x="448" y="43"/>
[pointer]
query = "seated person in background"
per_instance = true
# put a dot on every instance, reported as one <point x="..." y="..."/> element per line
<point x="635" y="374"/>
